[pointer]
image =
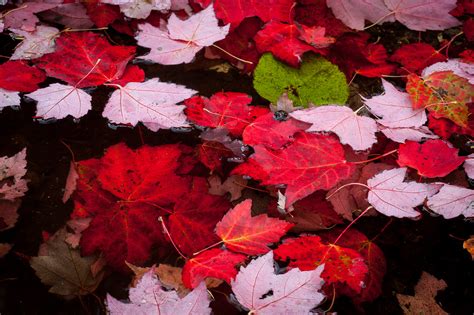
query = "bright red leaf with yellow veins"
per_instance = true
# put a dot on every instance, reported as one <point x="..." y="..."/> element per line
<point x="125" y="193"/>
<point x="341" y="264"/>
<point x="272" y="133"/>
<point x="215" y="263"/>
<point x="18" y="76"/>
<point x="310" y="163"/>
<point x="444" y="94"/>
<point x="192" y="222"/>
<point x="243" y="233"/>
<point x="85" y="59"/>
<point x="373" y="257"/>
<point x="434" y="158"/>
<point x="228" y="110"/>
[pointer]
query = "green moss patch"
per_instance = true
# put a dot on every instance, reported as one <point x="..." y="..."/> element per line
<point x="317" y="81"/>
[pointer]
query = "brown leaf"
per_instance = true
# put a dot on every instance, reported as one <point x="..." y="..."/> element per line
<point x="423" y="302"/>
<point x="469" y="245"/>
<point x="63" y="268"/>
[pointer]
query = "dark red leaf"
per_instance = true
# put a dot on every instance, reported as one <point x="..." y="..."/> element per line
<point x="415" y="57"/>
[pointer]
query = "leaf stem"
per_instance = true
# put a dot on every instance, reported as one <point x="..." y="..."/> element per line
<point x="233" y="56"/>
<point x="165" y="229"/>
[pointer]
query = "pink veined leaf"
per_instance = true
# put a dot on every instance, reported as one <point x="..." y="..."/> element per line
<point x="294" y="292"/>
<point x="401" y="135"/>
<point x="9" y="98"/>
<point x="390" y="195"/>
<point x="465" y="70"/>
<point x="352" y="129"/>
<point x="60" y="100"/>
<point x="151" y="102"/>
<point x="148" y="297"/>
<point x="423" y="15"/>
<point x="395" y="108"/>
<point x="469" y="166"/>
<point x="35" y="44"/>
<point x="183" y="39"/>
<point x="138" y="9"/>
<point x="452" y="201"/>
<point x="354" y="12"/>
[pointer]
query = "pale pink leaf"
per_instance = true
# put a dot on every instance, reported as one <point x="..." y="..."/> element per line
<point x="77" y="226"/>
<point x="452" y="201"/>
<point x="423" y="15"/>
<point x="353" y="13"/>
<point x="262" y="292"/>
<point x="182" y="39"/>
<point x="60" y="100"/>
<point x="140" y="9"/>
<point x="151" y="101"/>
<point x="390" y="195"/>
<point x="401" y="135"/>
<point x="35" y="44"/>
<point x="465" y="70"/>
<point x="12" y="171"/>
<point x="469" y="166"/>
<point x="149" y="298"/>
<point x="352" y="129"/>
<point x="9" y="98"/>
<point x="395" y="108"/>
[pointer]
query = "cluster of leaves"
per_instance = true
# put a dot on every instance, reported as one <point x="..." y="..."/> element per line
<point x="139" y="206"/>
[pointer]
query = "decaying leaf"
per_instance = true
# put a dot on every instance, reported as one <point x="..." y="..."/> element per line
<point x="64" y="269"/>
<point x="423" y="302"/>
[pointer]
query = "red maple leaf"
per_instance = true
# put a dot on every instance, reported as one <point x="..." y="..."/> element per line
<point x="228" y="110"/>
<point x="125" y="193"/>
<point x="341" y="264"/>
<point x="239" y="42"/>
<point x="445" y="128"/>
<point x="215" y="263"/>
<point x="194" y="218"/>
<point x="272" y="133"/>
<point x="243" y="233"/>
<point x="102" y="14"/>
<point x="311" y="162"/>
<point x="373" y="257"/>
<point x="367" y="59"/>
<point x="283" y="41"/>
<point x="309" y="214"/>
<point x="434" y="158"/>
<point x="212" y="154"/>
<point x="234" y="11"/>
<point x="417" y="56"/>
<point x="85" y="59"/>
<point x="317" y="13"/>
<point x="18" y="76"/>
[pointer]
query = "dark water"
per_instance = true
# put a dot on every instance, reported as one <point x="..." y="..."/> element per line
<point x="430" y="244"/>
